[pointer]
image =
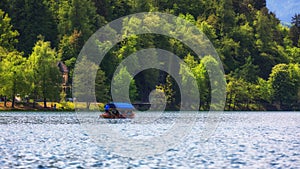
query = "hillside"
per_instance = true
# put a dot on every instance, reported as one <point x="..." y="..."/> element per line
<point x="260" y="56"/>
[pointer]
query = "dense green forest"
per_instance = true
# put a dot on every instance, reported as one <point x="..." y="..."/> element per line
<point x="260" y="56"/>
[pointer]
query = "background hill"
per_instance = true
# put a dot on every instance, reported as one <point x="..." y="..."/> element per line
<point x="260" y="56"/>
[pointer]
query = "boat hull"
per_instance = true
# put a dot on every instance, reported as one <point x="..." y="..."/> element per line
<point x="108" y="115"/>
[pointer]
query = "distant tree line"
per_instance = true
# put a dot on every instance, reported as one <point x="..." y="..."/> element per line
<point x="260" y="56"/>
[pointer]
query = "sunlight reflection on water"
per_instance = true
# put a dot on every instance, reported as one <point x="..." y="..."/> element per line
<point x="245" y="139"/>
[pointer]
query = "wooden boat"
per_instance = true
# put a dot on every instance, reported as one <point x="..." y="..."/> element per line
<point x="118" y="111"/>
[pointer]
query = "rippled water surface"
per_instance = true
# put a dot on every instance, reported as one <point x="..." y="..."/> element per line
<point x="242" y="140"/>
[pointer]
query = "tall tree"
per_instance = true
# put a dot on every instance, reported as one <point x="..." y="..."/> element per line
<point x="259" y="4"/>
<point x="248" y="71"/>
<point x="46" y="78"/>
<point x="78" y="15"/>
<point x="101" y="89"/>
<point x="226" y="16"/>
<point x="295" y="29"/>
<point x="119" y="8"/>
<point x="11" y="61"/>
<point x="84" y="81"/>
<point x="12" y="76"/>
<point x="119" y="87"/>
<point x="103" y="8"/>
<point x="69" y="48"/>
<point x="8" y="36"/>
<point x="167" y="88"/>
<point x="296" y="20"/>
<point x="32" y="18"/>
<point x="262" y="29"/>
<point x="284" y="88"/>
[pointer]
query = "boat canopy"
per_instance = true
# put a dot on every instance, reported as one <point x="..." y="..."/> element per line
<point x="119" y="106"/>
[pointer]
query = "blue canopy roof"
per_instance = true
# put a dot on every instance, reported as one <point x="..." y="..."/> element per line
<point x="119" y="105"/>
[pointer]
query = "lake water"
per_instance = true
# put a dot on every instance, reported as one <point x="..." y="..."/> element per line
<point x="59" y="140"/>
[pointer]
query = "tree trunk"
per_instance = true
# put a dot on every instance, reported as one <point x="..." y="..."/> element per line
<point x="5" y="101"/>
<point x="34" y="99"/>
<point x="88" y="105"/>
<point x="13" y="101"/>
<point x="229" y="102"/>
<point x="13" y="93"/>
<point x="45" y="102"/>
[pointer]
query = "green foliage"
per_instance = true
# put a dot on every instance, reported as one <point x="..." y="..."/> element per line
<point x="207" y="29"/>
<point x="264" y="90"/>
<point x="243" y="95"/>
<point x="248" y="71"/>
<point x="296" y="20"/>
<point x="65" y="106"/>
<point x="226" y="16"/>
<point x="249" y="39"/>
<point x="100" y="87"/>
<point x="78" y="15"/>
<point x="295" y="30"/>
<point x="284" y="80"/>
<point x="167" y="88"/>
<point x="45" y="76"/>
<point x="62" y="96"/>
<point x="293" y="54"/>
<point x="8" y="36"/>
<point x="69" y="48"/>
<point x="82" y="82"/>
<point x="12" y="77"/>
<point x="32" y="18"/>
<point x="119" y="86"/>
<point x="202" y="78"/>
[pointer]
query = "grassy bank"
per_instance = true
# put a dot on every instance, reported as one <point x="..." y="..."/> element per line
<point x="51" y="106"/>
<point x="39" y="106"/>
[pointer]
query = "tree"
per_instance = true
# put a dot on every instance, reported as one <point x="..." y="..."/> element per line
<point x="11" y="61"/>
<point x="78" y="15"/>
<point x="226" y="16"/>
<point x="244" y="34"/>
<point x="296" y="20"/>
<point x="217" y="83"/>
<point x="84" y="81"/>
<point x="12" y="76"/>
<point x="141" y="5"/>
<point x="103" y="8"/>
<point x="8" y="38"/>
<point x="167" y="88"/>
<point x="119" y="88"/>
<point x="266" y="31"/>
<point x="32" y="18"/>
<point x="284" y="88"/>
<point x="194" y="7"/>
<point x="46" y="78"/>
<point x="240" y="94"/>
<point x="203" y="83"/>
<point x="294" y="70"/>
<point x="293" y="54"/>
<point x="69" y="48"/>
<point x="264" y="90"/>
<point x="208" y="30"/>
<point x="295" y="29"/>
<point x="119" y="8"/>
<point x="101" y="89"/>
<point x="258" y="4"/>
<point x="229" y="53"/>
<point x="294" y="35"/>
<point x="263" y="31"/>
<point x="199" y="71"/>
<point x="248" y="71"/>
